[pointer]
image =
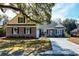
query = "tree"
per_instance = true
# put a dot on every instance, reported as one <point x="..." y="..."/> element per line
<point x="37" y="12"/>
<point x="1" y="17"/>
<point x="5" y="19"/>
<point x="70" y="24"/>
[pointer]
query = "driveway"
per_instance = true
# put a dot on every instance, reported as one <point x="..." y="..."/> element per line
<point x="65" y="44"/>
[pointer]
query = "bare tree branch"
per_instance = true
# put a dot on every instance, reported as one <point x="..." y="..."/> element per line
<point x="37" y="12"/>
<point x="18" y="9"/>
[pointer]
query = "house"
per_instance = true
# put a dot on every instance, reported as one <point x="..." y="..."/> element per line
<point x="58" y="31"/>
<point x="20" y="26"/>
<point x="75" y="32"/>
<point x="52" y="30"/>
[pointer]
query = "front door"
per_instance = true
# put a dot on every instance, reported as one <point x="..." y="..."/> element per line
<point x="51" y="33"/>
<point x="59" y="32"/>
<point x="40" y="32"/>
<point x="37" y="34"/>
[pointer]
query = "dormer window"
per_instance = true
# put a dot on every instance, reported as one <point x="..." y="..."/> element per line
<point x="21" y="19"/>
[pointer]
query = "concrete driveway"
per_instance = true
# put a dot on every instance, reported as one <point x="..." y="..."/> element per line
<point x="65" y="44"/>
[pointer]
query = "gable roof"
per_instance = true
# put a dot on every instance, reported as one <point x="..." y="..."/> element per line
<point x="52" y="25"/>
<point x="45" y="25"/>
<point x="59" y="25"/>
<point x="15" y="20"/>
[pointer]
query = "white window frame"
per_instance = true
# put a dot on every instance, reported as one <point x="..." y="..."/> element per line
<point x="27" y="30"/>
<point x="15" y="32"/>
<point x="59" y="31"/>
<point x="21" y="19"/>
<point x="51" y="32"/>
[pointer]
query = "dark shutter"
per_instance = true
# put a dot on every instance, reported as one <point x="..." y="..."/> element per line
<point x="47" y="31"/>
<point x="18" y="19"/>
<point x="30" y="30"/>
<point x="24" y="30"/>
<point x="40" y="32"/>
<point x="12" y="30"/>
<point x="18" y="30"/>
<point x="24" y="19"/>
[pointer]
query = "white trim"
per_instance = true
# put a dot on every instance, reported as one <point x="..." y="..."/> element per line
<point x="37" y="33"/>
<point x="15" y="32"/>
<point x="51" y="32"/>
<point x="59" y="31"/>
<point x="20" y="26"/>
<point x="27" y="30"/>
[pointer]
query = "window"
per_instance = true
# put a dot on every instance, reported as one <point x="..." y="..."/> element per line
<point x="28" y="30"/>
<point x="21" y="19"/>
<point x="51" y="32"/>
<point x="59" y="31"/>
<point x="15" y="30"/>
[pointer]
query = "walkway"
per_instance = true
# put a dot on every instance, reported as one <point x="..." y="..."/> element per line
<point x="65" y="44"/>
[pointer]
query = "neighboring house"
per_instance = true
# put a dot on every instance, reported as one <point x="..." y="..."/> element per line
<point x="20" y="26"/>
<point x="52" y="30"/>
<point x="75" y="32"/>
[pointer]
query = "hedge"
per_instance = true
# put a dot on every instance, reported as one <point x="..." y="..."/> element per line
<point x="2" y="32"/>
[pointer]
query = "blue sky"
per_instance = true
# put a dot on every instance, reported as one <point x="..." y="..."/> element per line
<point x="66" y="10"/>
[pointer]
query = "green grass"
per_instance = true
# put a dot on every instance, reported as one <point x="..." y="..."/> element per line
<point x="25" y="44"/>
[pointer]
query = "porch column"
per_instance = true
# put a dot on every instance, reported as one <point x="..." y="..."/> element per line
<point x="37" y="33"/>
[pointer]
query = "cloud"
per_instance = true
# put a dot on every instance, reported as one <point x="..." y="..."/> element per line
<point x="10" y="14"/>
<point x="61" y="10"/>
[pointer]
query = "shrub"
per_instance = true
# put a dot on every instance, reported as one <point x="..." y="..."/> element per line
<point x="2" y="32"/>
<point x="77" y="35"/>
<point x="66" y="34"/>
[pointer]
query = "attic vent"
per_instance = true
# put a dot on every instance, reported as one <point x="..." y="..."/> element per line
<point x="21" y="19"/>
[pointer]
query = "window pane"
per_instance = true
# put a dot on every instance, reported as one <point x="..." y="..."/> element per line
<point x="21" y="19"/>
<point x="15" y="30"/>
<point x="27" y="30"/>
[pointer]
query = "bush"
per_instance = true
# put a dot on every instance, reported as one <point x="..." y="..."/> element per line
<point x="66" y="34"/>
<point x="77" y="35"/>
<point x="2" y="32"/>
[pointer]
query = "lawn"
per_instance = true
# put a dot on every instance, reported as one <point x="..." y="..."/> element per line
<point x="74" y="40"/>
<point x="12" y="45"/>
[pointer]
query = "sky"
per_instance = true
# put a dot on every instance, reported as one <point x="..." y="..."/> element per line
<point x="66" y="10"/>
<point x="60" y="10"/>
<point x="9" y="13"/>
